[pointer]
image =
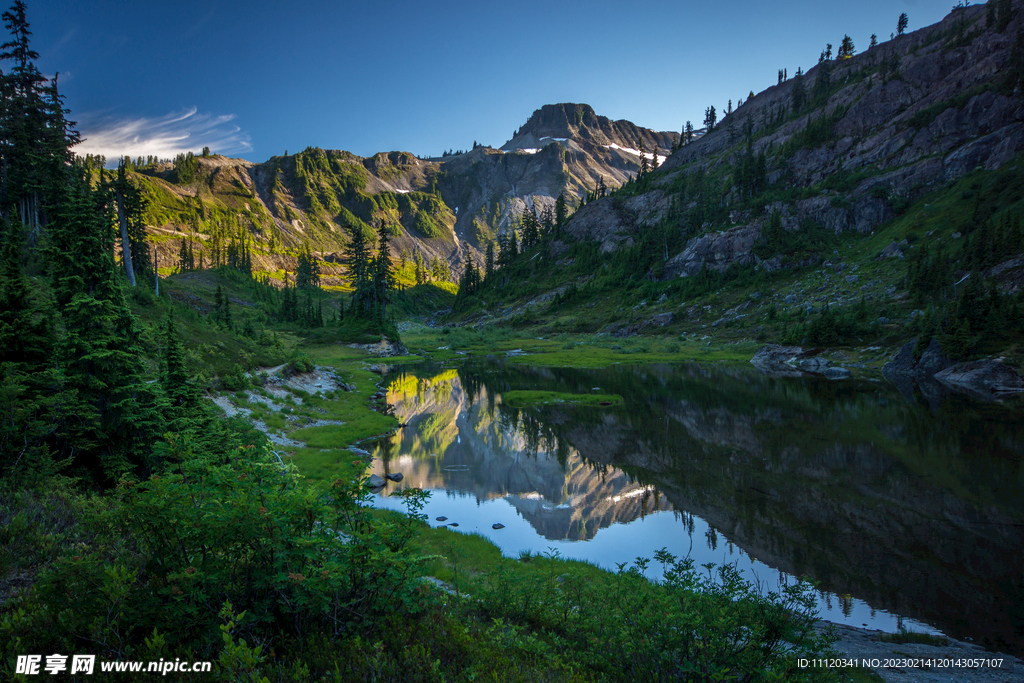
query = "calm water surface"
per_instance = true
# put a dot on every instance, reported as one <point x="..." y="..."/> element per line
<point x="907" y="509"/>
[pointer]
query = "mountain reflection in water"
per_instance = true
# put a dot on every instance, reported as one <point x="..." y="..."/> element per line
<point x="896" y="507"/>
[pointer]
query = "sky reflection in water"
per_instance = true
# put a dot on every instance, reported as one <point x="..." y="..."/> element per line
<point x="808" y="478"/>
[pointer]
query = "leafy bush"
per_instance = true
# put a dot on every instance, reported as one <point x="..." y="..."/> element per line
<point x="299" y="363"/>
<point x="830" y="328"/>
<point x="238" y="542"/>
<point x="426" y="225"/>
<point x="693" y="626"/>
<point x="236" y="380"/>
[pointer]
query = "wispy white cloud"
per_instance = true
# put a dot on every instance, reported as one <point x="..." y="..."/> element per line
<point x="164" y="136"/>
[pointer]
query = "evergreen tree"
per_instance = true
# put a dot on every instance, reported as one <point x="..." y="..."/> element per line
<point x="218" y="303"/>
<point x="358" y="261"/>
<point x="183" y="260"/>
<point x="710" y="118"/>
<point x="846" y="48"/>
<point x="383" y="272"/>
<point x="502" y="258"/>
<point x="874" y="41"/>
<point x="26" y="347"/>
<point x="308" y="273"/>
<point x="107" y="419"/>
<point x="531" y="228"/>
<point x="35" y="137"/>
<point x="561" y="213"/>
<point x="226" y="312"/>
<point x="470" y="281"/>
<point x="181" y="395"/>
<point x="689" y="132"/>
<point x="420" y="269"/>
<point x="799" y="96"/>
<point x="25" y="335"/>
<point x="643" y="161"/>
<point x="823" y="81"/>
<point x="489" y="263"/>
<point x="901" y="24"/>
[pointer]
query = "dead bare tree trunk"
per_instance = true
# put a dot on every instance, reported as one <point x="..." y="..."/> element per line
<point x="126" y="245"/>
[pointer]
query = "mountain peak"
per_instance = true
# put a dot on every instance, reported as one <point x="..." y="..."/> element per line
<point x="580" y="123"/>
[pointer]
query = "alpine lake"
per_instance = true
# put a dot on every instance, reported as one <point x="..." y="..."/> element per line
<point x="904" y="505"/>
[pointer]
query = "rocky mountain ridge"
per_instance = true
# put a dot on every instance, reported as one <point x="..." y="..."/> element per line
<point x="441" y="207"/>
<point x="900" y="119"/>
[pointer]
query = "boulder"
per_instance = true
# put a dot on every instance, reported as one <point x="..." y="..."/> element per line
<point x="395" y="476"/>
<point x="662" y="319"/>
<point x="902" y="364"/>
<point x="982" y="378"/>
<point x="837" y="373"/>
<point x="905" y="365"/>
<point x="375" y="482"/>
<point x="498" y="526"/>
<point x="891" y="251"/>
<point x="932" y="361"/>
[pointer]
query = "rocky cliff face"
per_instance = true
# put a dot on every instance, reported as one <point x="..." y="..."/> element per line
<point x="892" y="123"/>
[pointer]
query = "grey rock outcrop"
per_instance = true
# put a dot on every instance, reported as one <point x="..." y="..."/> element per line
<point x="985" y="378"/>
<point x="794" y="361"/>
<point x="941" y="115"/>
<point x="716" y="250"/>
<point x="630" y="329"/>
<point x="779" y="361"/>
<point x="932" y="361"/>
<point x="891" y="251"/>
<point x="604" y="220"/>
<point x="904" y="365"/>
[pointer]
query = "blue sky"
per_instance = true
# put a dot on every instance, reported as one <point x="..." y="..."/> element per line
<point x="254" y="79"/>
